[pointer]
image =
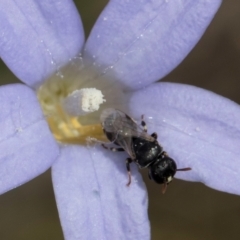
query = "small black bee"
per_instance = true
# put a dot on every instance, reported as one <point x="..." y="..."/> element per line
<point x="142" y="148"/>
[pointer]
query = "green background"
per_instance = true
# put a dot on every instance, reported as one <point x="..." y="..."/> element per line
<point x="187" y="210"/>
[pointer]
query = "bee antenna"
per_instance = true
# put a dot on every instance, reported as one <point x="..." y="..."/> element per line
<point x="184" y="169"/>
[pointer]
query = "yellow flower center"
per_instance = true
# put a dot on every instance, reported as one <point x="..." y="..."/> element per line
<point x="52" y="94"/>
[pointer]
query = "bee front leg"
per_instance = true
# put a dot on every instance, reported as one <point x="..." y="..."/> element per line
<point x="128" y="161"/>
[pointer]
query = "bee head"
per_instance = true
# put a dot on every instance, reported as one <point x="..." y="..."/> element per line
<point x="163" y="170"/>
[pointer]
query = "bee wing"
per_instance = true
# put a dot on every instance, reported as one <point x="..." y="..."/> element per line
<point x="122" y="128"/>
<point x="116" y="121"/>
<point x="126" y="144"/>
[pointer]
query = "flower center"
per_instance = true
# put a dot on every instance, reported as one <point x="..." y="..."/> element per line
<point x="73" y="99"/>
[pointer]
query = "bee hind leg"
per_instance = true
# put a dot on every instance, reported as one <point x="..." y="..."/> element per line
<point x="143" y="124"/>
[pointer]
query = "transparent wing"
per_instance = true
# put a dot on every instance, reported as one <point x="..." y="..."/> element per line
<point x="114" y="120"/>
<point x="122" y="128"/>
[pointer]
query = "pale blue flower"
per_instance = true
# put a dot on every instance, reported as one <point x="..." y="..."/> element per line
<point x="140" y="41"/>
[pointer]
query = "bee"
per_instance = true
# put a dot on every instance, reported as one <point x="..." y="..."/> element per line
<point x="142" y="148"/>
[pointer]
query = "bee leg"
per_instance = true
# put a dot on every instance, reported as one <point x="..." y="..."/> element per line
<point x="143" y="123"/>
<point x="128" y="161"/>
<point x="154" y="135"/>
<point x="113" y="149"/>
<point x="164" y="154"/>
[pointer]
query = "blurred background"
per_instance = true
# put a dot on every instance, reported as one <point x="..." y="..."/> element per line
<point x="187" y="210"/>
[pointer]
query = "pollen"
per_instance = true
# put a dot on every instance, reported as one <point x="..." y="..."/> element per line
<point x="83" y="101"/>
<point x="72" y="101"/>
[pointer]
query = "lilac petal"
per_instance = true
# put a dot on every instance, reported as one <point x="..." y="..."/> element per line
<point x="140" y="41"/>
<point x="93" y="199"/>
<point x="27" y="147"/>
<point x="199" y="129"/>
<point x="38" y="36"/>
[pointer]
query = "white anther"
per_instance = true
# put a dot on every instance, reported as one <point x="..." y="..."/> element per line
<point x="83" y="101"/>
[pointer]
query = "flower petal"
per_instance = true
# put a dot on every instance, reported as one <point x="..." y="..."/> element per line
<point x="38" y="36"/>
<point x="140" y="41"/>
<point x="198" y="128"/>
<point x="93" y="199"/>
<point x="27" y="147"/>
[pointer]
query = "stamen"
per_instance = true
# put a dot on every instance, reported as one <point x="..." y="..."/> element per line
<point x="83" y="101"/>
<point x="71" y="101"/>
